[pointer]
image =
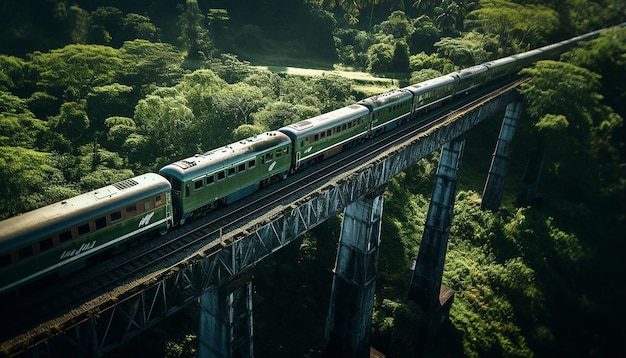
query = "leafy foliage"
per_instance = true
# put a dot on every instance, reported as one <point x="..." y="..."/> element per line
<point x="28" y="179"/>
<point x="194" y="36"/>
<point x="471" y="49"/>
<point x="517" y="26"/>
<point x="69" y="72"/>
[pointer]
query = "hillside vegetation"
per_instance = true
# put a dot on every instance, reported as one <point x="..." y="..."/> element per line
<point x="92" y="92"/>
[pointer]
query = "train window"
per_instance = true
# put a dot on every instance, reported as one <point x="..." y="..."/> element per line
<point x="101" y="223"/>
<point x="349" y="124"/>
<point x="198" y="184"/>
<point x="251" y="164"/>
<point x="316" y="138"/>
<point x="187" y="191"/>
<point x="338" y="129"/>
<point x="279" y="153"/>
<point x="344" y="127"/>
<point x="231" y="172"/>
<point x="210" y="179"/>
<point x="221" y="175"/>
<point x="301" y="144"/>
<point x="46" y="244"/>
<point x="157" y="200"/>
<point x="83" y="229"/>
<point x="269" y="156"/>
<point x="131" y="210"/>
<point x="329" y="132"/>
<point x="241" y="167"/>
<point x="5" y="260"/>
<point x="116" y="216"/>
<point x="26" y="252"/>
<point x="147" y="205"/>
<point x="65" y="236"/>
<point x="322" y="135"/>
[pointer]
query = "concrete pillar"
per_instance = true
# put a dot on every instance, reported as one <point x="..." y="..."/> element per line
<point x="349" y="320"/>
<point x="426" y="285"/>
<point x="494" y="186"/>
<point x="226" y="322"/>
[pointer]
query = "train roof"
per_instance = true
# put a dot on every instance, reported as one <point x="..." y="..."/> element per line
<point x="53" y="218"/>
<point x="526" y="54"/>
<point x="470" y="71"/>
<point x="385" y="99"/>
<point x="231" y="154"/>
<point x="431" y="84"/>
<point x="324" y="121"/>
<point x="499" y="62"/>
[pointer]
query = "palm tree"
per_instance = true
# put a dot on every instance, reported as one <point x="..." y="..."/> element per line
<point x="446" y="15"/>
<point x="426" y="6"/>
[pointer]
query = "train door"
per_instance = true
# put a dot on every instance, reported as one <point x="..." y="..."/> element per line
<point x="298" y="156"/>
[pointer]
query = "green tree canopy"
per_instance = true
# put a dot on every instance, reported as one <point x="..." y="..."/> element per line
<point x="194" y="36"/>
<point x="396" y="25"/>
<point x="70" y="72"/>
<point x="168" y="124"/>
<point x="147" y="63"/>
<point x="516" y="26"/>
<point x="565" y="89"/>
<point x="26" y="176"/>
<point x="21" y="129"/>
<point x="574" y="125"/>
<point x="471" y="49"/>
<point x="70" y="123"/>
<point x="606" y="56"/>
<point x="12" y="72"/>
<point x="109" y="100"/>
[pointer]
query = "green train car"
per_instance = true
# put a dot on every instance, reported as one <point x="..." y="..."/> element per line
<point x="325" y="135"/>
<point x="226" y="174"/>
<point x="61" y="236"/>
<point x="388" y="110"/>
<point x="431" y="93"/>
<point x="469" y="78"/>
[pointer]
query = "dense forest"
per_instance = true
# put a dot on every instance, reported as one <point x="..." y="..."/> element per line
<point x="92" y="92"/>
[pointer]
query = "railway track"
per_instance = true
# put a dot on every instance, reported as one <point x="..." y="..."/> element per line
<point x="50" y="298"/>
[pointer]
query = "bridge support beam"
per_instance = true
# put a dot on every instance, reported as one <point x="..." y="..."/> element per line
<point x="349" y="320"/>
<point x="426" y="288"/>
<point x="494" y="186"/>
<point x="226" y="322"/>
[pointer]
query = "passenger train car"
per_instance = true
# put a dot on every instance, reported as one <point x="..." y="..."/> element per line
<point x="322" y="136"/>
<point x="61" y="236"/>
<point x="226" y="174"/>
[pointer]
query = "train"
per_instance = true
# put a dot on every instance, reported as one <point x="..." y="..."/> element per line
<point x="61" y="237"/>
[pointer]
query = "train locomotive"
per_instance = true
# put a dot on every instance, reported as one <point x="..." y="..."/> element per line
<point x="60" y="237"/>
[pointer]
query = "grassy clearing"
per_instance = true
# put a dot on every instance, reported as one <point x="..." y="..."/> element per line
<point x="364" y="83"/>
<point x="290" y="59"/>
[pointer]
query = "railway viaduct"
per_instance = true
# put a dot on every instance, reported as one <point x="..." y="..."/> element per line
<point x="218" y="275"/>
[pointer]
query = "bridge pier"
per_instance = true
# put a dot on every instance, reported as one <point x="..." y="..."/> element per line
<point x="349" y="320"/>
<point x="226" y="322"/>
<point x="426" y="288"/>
<point x="494" y="186"/>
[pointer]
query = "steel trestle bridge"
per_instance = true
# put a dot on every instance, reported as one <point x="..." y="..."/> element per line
<point x="216" y="270"/>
